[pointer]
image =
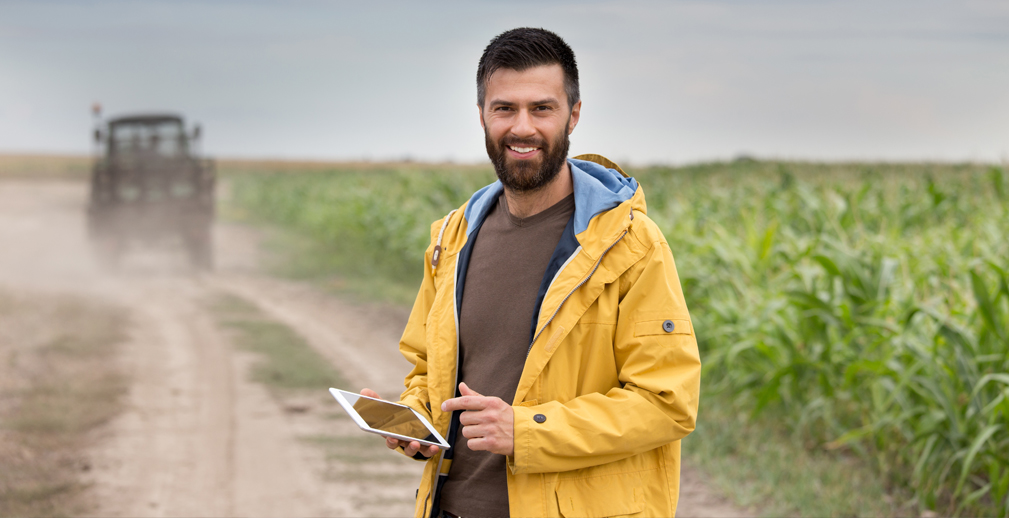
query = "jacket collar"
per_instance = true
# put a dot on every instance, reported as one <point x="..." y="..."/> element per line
<point x="597" y="189"/>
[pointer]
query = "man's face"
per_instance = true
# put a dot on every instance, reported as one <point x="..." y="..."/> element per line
<point x="526" y="124"/>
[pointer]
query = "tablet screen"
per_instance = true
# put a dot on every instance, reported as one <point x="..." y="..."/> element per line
<point x="387" y="417"/>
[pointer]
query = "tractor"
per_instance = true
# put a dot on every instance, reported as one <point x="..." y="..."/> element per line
<point x="148" y="185"/>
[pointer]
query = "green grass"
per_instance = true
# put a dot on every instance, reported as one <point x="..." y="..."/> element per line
<point x="359" y="229"/>
<point x="854" y="314"/>
<point x="764" y="466"/>
<point x="286" y="362"/>
<point x="296" y="256"/>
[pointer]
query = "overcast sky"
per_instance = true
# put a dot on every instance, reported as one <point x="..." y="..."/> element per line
<point x="661" y="81"/>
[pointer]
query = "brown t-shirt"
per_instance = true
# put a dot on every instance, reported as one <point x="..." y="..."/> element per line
<point x="509" y="258"/>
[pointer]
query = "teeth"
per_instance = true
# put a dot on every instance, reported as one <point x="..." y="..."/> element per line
<point x="522" y="149"/>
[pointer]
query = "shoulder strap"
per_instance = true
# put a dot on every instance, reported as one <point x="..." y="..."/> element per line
<point x="436" y="256"/>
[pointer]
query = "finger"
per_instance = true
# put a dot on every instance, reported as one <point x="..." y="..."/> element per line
<point x="367" y="392"/>
<point x="466" y="391"/>
<point x="430" y="451"/>
<point x="478" y="444"/>
<point x="471" y="432"/>
<point x="471" y="417"/>
<point x="464" y="403"/>
<point x="391" y="443"/>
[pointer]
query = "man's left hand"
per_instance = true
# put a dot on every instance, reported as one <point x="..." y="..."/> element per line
<point x="487" y="422"/>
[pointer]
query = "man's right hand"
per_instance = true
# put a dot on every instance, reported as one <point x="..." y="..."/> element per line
<point x="409" y="447"/>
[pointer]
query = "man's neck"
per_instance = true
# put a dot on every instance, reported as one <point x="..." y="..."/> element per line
<point x="525" y="204"/>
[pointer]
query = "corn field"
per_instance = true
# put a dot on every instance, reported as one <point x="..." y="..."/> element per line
<point x="866" y="306"/>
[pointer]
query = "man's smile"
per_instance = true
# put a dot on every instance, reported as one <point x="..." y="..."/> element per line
<point x="522" y="152"/>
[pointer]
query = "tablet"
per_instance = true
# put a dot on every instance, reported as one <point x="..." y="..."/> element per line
<point x="388" y="419"/>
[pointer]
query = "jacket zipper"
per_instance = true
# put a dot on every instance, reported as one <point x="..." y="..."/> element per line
<point x="561" y="269"/>
<point x="568" y="296"/>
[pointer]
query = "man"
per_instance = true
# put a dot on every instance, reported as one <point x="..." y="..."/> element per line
<point x="550" y="340"/>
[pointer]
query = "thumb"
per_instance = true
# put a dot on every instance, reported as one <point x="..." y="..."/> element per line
<point x="466" y="391"/>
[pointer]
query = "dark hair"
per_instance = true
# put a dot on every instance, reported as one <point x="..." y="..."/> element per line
<point x="524" y="48"/>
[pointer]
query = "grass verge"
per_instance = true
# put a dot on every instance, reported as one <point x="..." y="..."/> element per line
<point x="287" y="364"/>
<point x="295" y="374"/>
<point x="759" y="464"/>
<point x="373" y="230"/>
<point x="58" y="383"/>
<point x="290" y="255"/>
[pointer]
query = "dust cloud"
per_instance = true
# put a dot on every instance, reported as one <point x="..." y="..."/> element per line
<point x="196" y="435"/>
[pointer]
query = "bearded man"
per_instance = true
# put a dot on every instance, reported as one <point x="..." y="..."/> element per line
<point x="550" y="340"/>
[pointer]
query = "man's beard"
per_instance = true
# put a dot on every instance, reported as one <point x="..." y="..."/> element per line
<point x="522" y="175"/>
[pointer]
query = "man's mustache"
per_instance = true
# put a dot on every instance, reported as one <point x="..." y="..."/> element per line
<point x="524" y="143"/>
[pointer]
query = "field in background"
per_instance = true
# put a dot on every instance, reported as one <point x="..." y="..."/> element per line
<point x="856" y="312"/>
<point x="78" y="167"/>
<point x="46" y="167"/>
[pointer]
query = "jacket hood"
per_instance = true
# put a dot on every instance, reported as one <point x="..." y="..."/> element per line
<point x="597" y="189"/>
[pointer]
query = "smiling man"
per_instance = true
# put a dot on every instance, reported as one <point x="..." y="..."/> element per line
<point x="550" y="340"/>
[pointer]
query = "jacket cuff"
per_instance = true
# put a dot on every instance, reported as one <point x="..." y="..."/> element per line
<point x="525" y="427"/>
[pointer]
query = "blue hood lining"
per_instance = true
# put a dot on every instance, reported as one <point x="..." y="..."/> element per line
<point x="479" y="205"/>
<point x="597" y="189"/>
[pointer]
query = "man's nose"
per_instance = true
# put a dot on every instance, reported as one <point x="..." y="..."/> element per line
<point x="523" y="127"/>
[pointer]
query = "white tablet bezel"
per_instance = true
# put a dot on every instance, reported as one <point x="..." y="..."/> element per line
<point x="360" y="422"/>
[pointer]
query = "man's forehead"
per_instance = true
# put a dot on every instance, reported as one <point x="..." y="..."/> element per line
<point x="544" y="79"/>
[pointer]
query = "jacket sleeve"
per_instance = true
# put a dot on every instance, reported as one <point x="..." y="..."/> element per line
<point x="659" y="374"/>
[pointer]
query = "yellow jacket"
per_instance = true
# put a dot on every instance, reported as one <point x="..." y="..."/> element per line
<point x="611" y="380"/>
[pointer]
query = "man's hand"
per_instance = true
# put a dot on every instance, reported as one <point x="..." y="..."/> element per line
<point x="410" y="448"/>
<point x="488" y="422"/>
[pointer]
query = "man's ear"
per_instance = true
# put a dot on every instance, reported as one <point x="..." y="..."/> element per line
<point x="479" y="110"/>
<point x="576" y="111"/>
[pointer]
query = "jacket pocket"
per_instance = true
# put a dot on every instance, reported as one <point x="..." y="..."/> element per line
<point x="601" y="496"/>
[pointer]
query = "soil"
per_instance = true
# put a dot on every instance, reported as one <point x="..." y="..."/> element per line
<point x="197" y="436"/>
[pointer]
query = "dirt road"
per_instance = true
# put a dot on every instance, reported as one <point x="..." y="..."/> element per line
<point x="198" y="437"/>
